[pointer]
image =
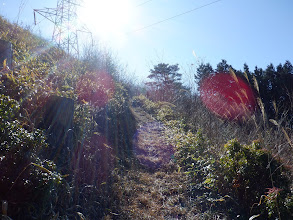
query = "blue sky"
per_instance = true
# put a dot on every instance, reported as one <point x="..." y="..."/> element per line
<point x="257" y="32"/>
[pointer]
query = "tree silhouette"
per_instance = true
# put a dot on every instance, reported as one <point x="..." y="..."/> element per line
<point x="223" y="66"/>
<point x="203" y="71"/>
<point x="166" y="81"/>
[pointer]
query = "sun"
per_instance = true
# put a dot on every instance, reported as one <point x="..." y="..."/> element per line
<point x="106" y="18"/>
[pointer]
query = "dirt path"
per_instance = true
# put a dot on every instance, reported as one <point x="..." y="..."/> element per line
<point x="154" y="190"/>
<point x="150" y="146"/>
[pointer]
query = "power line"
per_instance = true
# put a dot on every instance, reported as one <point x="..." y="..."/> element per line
<point x="175" y="16"/>
<point x="143" y="3"/>
<point x="21" y="8"/>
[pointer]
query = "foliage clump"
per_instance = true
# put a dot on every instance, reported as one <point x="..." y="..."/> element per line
<point x="255" y="179"/>
<point x="244" y="180"/>
<point x="162" y="111"/>
<point x="100" y="133"/>
<point x="117" y="122"/>
<point x="166" y="113"/>
<point x="146" y="104"/>
<point x="25" y="176"/>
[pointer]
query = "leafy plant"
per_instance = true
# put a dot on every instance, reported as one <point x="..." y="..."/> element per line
<point x="246" y="173"/>
<point x="244" y="180"/>
<point x="24" y="176"/>
<point x="165" y="113"/>
<point x="146" y="104"/>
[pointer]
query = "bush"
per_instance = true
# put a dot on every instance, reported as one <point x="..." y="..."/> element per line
<point x="257" y="181"/>
<point x="146" y="104"/>
<point x="24" y="176"/>
<point x="244" y="180"/>
<point x="165" y="113"/>
<point x="117" y="123"/>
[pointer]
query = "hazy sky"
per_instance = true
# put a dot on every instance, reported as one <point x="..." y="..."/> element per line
<point x="257" y="32"/>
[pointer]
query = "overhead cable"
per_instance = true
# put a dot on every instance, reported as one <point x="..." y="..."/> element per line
<point x="175" y="16"/>
<point x="143" y="3"/>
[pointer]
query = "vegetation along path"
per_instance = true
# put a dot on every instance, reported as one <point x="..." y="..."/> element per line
<point x="154" y="189"/>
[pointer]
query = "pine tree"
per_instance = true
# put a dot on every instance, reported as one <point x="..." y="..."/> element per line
<point x="203" y="70"/>
<point x="166" y="80"/>
<point x="223" y="66"/>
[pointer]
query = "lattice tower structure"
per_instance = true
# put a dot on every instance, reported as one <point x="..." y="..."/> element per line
<point x="64" y="19"/>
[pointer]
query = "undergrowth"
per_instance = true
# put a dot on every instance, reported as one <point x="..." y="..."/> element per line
<point x="239" y="180"/>
<point x="77" y="183"/>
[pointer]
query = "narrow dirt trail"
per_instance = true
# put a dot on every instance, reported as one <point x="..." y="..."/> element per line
<point x="155" y="189"/>
<point x="150" y="146"/>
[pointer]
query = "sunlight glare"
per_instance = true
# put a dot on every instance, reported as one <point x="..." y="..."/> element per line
<point x="107" y="18"/>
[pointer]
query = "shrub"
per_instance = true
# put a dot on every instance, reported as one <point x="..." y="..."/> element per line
<point x="165" y="113"/>
<point x="146" y="104"/>
<point x="257" y="181"/>
<point x="117" y="123"/>
<point x="24" y="176"/>
<point x="244" y="180"/>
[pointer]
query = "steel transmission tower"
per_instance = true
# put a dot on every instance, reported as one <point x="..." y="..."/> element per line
<point x="64" y="18"/>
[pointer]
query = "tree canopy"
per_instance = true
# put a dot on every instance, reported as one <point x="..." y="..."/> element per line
<point x="166" y="79"/>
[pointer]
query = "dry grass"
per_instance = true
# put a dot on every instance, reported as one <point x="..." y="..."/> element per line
<point x="154" y="195"/>
<point x="277" y="139"/>
<point x="157" y="193"/>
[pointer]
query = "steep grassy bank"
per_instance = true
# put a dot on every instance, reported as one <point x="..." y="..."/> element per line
<point x="65" y="126"/>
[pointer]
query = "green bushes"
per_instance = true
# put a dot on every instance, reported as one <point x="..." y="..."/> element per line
<point x="163" y="111"/>
<point x="146" y="104"/>
<point x="243" y="181"/>
<point x="102" y="131"/>
<point x="255" y="179"/>
<point x="117" y="123"/>
<point x="194" y="158"/>
<point x="24" y="176"/>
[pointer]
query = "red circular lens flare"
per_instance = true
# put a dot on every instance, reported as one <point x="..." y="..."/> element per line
<point x="228" y="96"/>
<point x="95" y="88"/>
